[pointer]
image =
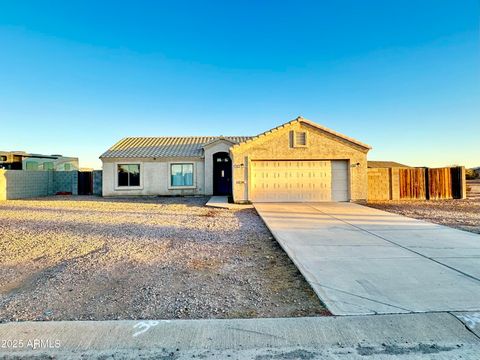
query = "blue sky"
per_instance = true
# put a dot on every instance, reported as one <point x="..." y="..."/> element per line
<point x="402" y="76"/>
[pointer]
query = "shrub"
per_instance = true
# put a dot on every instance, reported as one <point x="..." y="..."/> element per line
<point x="470" y="174"/>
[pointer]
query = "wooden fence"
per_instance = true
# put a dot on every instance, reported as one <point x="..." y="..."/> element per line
<point x="416" y="183"/>
<point x="412" y="183"/>
<point x="473" y="189"/>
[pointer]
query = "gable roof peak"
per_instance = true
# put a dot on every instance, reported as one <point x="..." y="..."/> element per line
<point x="308" y="122"/>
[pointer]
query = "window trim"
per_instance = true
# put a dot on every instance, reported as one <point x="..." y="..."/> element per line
<point x="115" y="172"/>
<point x="194" y="177"/>
<point x="294" y="139"/>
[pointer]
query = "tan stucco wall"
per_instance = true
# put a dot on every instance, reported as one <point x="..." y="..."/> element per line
<point x="154" y="177"/>
<point x="209" y="151"/>
<point x="321" y="146"/>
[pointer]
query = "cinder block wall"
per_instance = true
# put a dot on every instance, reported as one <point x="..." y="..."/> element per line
<point x="3" y="185"/>
<point x="21" y="184"/>
<point x="97" y="182"/>
<point x="383" y="184"/>
<point x="65" y="181"/>
<point x="379" y="184"/>
<point x="26" y="184"/>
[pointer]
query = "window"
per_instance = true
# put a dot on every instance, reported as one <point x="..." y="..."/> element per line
<point x="48" y="165"/>
<point x="67" y="167"/>
<point x="31" y="165"/>
<point x="3" y="158"/>
<point x="128" y="174"/>
<point x="298" y="139"/>
<point x="181" y="174"/>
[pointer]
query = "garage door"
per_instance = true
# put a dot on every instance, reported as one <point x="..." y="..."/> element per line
<point x="299" y="181"/>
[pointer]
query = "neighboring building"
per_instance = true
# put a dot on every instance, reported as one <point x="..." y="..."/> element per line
<point x="385" y="164"/>
<point x="20" y="160"/>
<point x="297" y="161"/>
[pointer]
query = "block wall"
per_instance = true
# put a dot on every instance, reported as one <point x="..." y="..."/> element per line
<point x="65" y="181"/>
<point x="21" y="184"/>
<point x="97" y="182"/>
<point x="379" y="184"/>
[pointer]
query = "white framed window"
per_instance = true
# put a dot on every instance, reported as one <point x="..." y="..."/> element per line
<point x="128" y="175"/>
<point x="298" y="139"/>
<point x="182" y="175"/>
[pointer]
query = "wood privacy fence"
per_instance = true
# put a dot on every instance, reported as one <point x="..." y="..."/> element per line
<point x="416" y="183"/>
<point x="473" y="189"/>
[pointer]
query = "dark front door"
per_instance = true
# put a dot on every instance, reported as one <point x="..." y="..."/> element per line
<point x="222" y="174"/>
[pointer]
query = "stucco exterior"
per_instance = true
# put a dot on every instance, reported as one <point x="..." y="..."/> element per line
<point x="322" y="145"/>
<point x="209" y="151"/>
<point x="154" y="177"/>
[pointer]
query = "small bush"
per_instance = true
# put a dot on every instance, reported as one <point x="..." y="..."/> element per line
<point x="470" y="174"/>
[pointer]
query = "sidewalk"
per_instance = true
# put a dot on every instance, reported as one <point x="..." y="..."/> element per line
<point x="408" y="336"/>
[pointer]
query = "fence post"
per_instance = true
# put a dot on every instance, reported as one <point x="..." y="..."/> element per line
<point x="463" y="183"/>
<point x="427" y="183"/>
<point x="395" y="183"/>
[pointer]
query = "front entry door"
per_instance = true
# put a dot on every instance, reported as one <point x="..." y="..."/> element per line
<point x="222" y="174"/>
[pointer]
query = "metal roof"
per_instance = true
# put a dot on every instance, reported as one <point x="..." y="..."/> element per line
<point x="177" y="146"/>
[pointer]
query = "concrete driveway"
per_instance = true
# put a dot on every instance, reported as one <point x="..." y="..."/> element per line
<point x="361" y="260"/>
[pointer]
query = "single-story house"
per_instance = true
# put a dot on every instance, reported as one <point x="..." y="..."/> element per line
<point x="298" y="161"/>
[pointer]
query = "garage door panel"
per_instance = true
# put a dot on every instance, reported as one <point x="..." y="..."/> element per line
<point x="340" y="180"/>
<point x="297" y="181"/>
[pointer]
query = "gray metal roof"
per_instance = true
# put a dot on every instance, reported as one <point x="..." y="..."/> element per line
<point x="177" y="146"/>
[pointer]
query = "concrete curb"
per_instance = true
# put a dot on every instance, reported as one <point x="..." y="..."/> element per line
<point x="404" y="333"/>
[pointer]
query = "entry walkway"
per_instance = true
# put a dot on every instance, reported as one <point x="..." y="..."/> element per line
<point x="222" y="202"/>
<point x="361" y="260"/>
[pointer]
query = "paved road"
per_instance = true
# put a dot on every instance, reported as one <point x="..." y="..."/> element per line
<point x="406" y="336"/>
<point x="361" y="260"/>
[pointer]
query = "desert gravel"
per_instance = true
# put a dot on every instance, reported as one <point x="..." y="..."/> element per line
<point x="89" y="258"/>
<point x="460" y="214"/>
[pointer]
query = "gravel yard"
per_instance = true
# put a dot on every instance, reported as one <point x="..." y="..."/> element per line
<point x="460" y="214"/>
<point x="89" y="258"/>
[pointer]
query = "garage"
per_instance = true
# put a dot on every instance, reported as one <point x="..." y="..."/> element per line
<point x="299" y="180"/>
<point x="299" y="161"/>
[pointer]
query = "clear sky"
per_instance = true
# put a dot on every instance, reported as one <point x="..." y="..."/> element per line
<point x="402" y="76"/>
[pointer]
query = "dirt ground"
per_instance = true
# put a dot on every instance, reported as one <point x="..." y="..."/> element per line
<point x="460" y="214"/>
<point x="88" y="258"/>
